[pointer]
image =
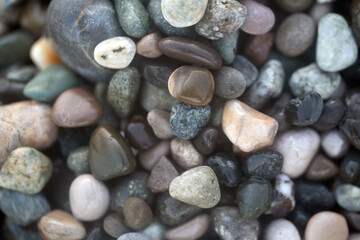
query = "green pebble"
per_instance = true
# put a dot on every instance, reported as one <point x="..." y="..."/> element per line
<point x="78" y="160"/>
<point x="227" y="47"/>
<point x="47" y="85"/>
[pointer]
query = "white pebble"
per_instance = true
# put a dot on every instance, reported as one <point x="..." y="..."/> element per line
<point x="281" y="229"/>
<point x="334" y="143"/>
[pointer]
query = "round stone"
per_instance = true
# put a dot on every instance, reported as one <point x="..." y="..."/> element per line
<point x="114" y="225"/>
<point x="161" y="175"/>
<point x="350" y="167"/>
<point x="78" y="160"/>
<point x="264" y="164"/>
<point x="227" y="47"/>
<point x="281" y="229"/>
<point x="229" y="82"/>
<point x="347" y="196"/>
<point x="249" y="71"/>
<point x="148" y="45"/>
<point x="321" y="169"/>
<point x="294" y="6"/>
<point x="83" y="204"/>
<point x="185" y="154"/>
<point x="332" y="114"/>
<point x="139" y="133"/>
<point x="115" y="53"/>
<point x="155" y="230"/>
<point x="134" y="236"/>
<point x="137" y="213"/>
<point x="319" y="10"/>
<point x="192" y="229"/>
<point x="334" y="143"/>
<point x="205" y="142"/>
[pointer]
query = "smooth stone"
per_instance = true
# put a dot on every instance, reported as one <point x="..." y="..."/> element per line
<point x="71" y="139"/>
<point x="353" y="219"/>
<point x="76" y="107"/>
<point x="336" y="48"/>
<point x="15" y="47"/>
<point x="159" y="121"/>
<point x="150" y="157"/>
<point x="228" y="224"/>
<point x="190" y="51"/>
<point x="14" y="121"/>
<point x="43" y="54"/>
<point x="355" y="19"/>
<point x="257" y="48"/>
<point x="332" y="114"/>
<point x="115" y="53"/>
<point x="227" y="47"/>
<point x="249" y="71"/>
<point x="281" y="229"/>
<point x="83" y="204"/>
<point x="23" y="209"/>
<point x="354" y="236"/>
<point x="71" y="39"/>
<point x="247" y="128"/>
<point x="183" y="13"/>
<point x="295" y="34"/>
<point x="152" y="97"/>
<point x="114" y="225"/>
<point x="205" y="142"/>
<point x="14" y="231"/>
<point x="123" y="90"/>
<point x="319" y="10"/>
<point x="155" y="230"/>
<point x="217" y="108"/>
<point x="133" y="185"/>
<point x="290" y="143"/>
<point x="294" y="6"/>
<point x="161" y="175"/>
<point x="226" y="167"/>
<point x="133" y="17"/>
<point x="173" y="212"/>
<point x="21" y="73"/>
<point x="48" y="84"/>
<point x="187" y="121"/>
<point x="300" y="217"/>
<point x="33" y="17"/>
<point x="148" y="45"/>
<point x="260" y="19"/>
<point x="100" y="91"/>
<point x="277" y="111"/>
<point x="109" y="154"/>
<point x="137" y="213"/>
<point x="221" y="19"/>
<point x="254" y="198"/>
<point x="78" y="160"/>
<point x="26" y="170"/>
<point x="192" y="229"/>
<point x="327" y="226"/>
<point x="321" y="169"/>
<point x="139" y="133"/>
<point x="59" y="225"/>
<point x="11" y="88"/>
<point x="334" y="143"/>
<point x="198" y="186"/>
<point x="185" y="154"/>
<point x="347" y="196"/>
<point x="230" y="83"/>
<point x="265" y="164"/>
<point x="134" y="236"/>
<point x="350" y="167"/>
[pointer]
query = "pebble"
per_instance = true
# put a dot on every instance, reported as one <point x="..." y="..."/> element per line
<point x="26" y="170"/>
<point x="327" y="226"/>
<point x="355" y="19"/>
<point x="347" y="196"/>
<point x="15" y="47"/>
<point x="133" y="17"/>
<point x="20" y="73"/>
<point x="150" y="157"/>
<point x="78" y="160"/>
<point x="354" y="236"/>
<point x="86" y="18"/>
<point x="155" y="230"/>
<point x="139" y="133"/>
<point x="14" y="119"/>
<point x="192" y="85"/>
<point x="268" y="86"/>
<point x="187" y="121"/>
<point x="198" y="186"/>
<point x="109" y="154"/>
<point x="350" y="167"/>
<point x="134" y="236"/>
<point x="23" y="209"/>
<point x="294" y="6"/>
<point x="48" y="84"/>
<point x="226" y="167"/>
<point x="295" y="34"/>
<point x="58" y="225"/>
<point x="336" y="48"/>
<point x="277" y="111"/>
<point x="353" y="219"/>
<point x="319" y="10"/>
<point x="247" y="128"/>
<point x="249" y="71"/>
<point x="114" y="225"/>
<point x="254" y="198"/>
<point x="115" y="53"/>
<point x="185" y="154"/>
<point x="205" y="142"/>
<point x="190" y="51"/>
<point x="161" y="175"/>
<point x="281" y="229"/>
<point x="152" y="97"/>
<point x="183" y="13"/>
<point x="260" y="19"/>
<point x="290" y="143"/>
<point x="76" y="107"/>
<point x="227" y="47"/>
<point x="228" y="224"/>
<point x="257" y="48"/>
<point x="137" y="213"/>
<point x="148" y="45"/>
<point x="14" y="231"/>
<point x="217" y="106"/>
<point x="83" y="204"/>
<point x="334" y="143"/>
<point x="230" y="83"/>
<point x="100" y="91"/>
<point x="332" y="114"/>
<point x="123" y="90"/>
<point x="192" y="229"/>
<point x="321" y="169"/>
<point x="43" y="54"/>
<point x="172" y="212"/>
<point x="312" y="79"/>
<point x="264" y="164"/>
<point x="33" y="17"/>
<point x="221" y="19"/>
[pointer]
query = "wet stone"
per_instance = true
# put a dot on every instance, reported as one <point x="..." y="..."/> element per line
<point x="257" y="48"/>
<point x="227" y="47"/>
<point x="185" y="153"/>
<point x="114" y="225"/>
<point x="350" y="167"/>
<point x="159" y="120"/>
<point x="161" y="175"/>
<point x="137" y="213"/>
<point x="331" y="115"/>
<point x="151" y="156"/>
<point x="139" y="133"/>
<point x="229" y="83"/>
<point x="249" y="71"/>
<point x="192" y="229"/>
<point x="334" y="143"/>
<point x="205" y="142"/>
<point x="78" y="160"/>
<point x="148" y="45"/>
<point x="321" y="169"/>
<point x="264" y="164"/>
<point x="152" y="97"/>
<point x="347" y="196"/>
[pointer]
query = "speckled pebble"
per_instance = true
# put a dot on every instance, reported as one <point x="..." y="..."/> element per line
<point x="281" y="229"/>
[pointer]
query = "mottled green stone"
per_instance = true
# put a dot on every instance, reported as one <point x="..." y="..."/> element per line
<point x="227" y="47"/>
<point x="78" y="160"/>
<point x="15" y="47"/>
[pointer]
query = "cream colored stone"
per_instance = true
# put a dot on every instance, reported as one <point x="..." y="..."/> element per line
<point x="192" y="229"/>
<point x="159" y="120"/>
<point x="247" y="128"/>
<point x="281" y="229"/>
<point x="148" y="46"/>
<point x="185" y="154"/>
<point x="43" y="54"/>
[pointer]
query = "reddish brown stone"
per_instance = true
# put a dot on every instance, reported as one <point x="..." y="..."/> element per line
<point x="161" y="175"/>
<point x="139" y="133"/>
<point x="257" y="48"/>
<point x="137" y="213"/>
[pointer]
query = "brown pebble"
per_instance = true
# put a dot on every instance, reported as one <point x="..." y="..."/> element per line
<point x="321" y="169"/>
<point x="161" y="175"/>
<point x="192" y="229"/>
<point x="148" y="158"/>
<point x="148" y="46"/>
<point x="114" y="225"/>
<point x="159" y="120"/>
<point x="137" y="213"/>
<point x="205" y="142"/>
<point x="76" y="108"/>
<point x="185" y="154"/>
<point x="257" y="48"/>
<point x="139" y="133"/>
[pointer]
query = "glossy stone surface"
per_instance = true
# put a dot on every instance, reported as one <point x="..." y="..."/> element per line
<point x="43" y="54"/>
<point x="347" y="196"/>
<point x="114" y="225"/>
<point x="185" y="154"/>
<point x="190" y="51"/>
<point x="109" y="154"/>
<point x="161" y="175"/>
<point x="137" y="213"/>
<point x="281" y="229"/>
<point x="159" y="120"/>
<point x="350" y="167"/>
<point x="331" y="115"/>
<point x="139" y="133"/>
<point x="150" y="157"/>
<point x="277" y="111"/>
<point x="264" y="164"/>
<point x="227" y="47"/>
<point x="205" y="142"/>
<point x="148" y="45"/>
<point x="321" y="169"/>
<point x="21" y="73"/>
<point x="15" y="46"/>
<point x="230" y="83"/>
<point x="152" y="97"/>
<point x="158" y="71"/>
<point x="192" y="229"/>
<point x="78" y="160"/>
<point x="257" y="48"/>
<point x="334" y="143"/>
<point x="249" y="71"/>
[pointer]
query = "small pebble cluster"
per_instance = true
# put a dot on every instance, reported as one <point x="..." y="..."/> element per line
<point x="179" y="120"/>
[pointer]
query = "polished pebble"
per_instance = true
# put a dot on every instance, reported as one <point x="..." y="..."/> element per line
<point x="159" y="120"/>
<point x="134" y="236"/>
<point x="192" y="229"/>
<point x="229" y="83"/>
<point x="249" y="71"/>
<point x="148" y="158"/>
<point x="257" y="48"/>
<point x="161" y="175"/>
<point x="331" y="115"/>
<point x="264" y="164"/>
<point x="137" y="213"/>
<point x="148" y="45"/>
<point x="185" y="154"/>
<point x="334" y="143"/>
<point x="347" y="196"/>
<point x="43" y="54"/>
<point x="350" y="167"/>
<point x="78" y="160"/>
<point x="154" y="97"/>
<point x="205" y="142"/>
<point x="281" y="229"/>
<point x="114" y="225"/>
<point x="321" y="169"/>
<point x="15" y="46"/>
<point x="139" y="133"/>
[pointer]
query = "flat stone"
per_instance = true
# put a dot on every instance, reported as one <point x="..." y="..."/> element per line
<point x="230" y="83"/>
<point x="139" y="133"/>
<point x="281" y="229"/>
<point x="114" y="225"/>
<point x="152" y="97"/>
<point x="334" y="143"/>
<point x="134" y="236"/>
<point x="264" y="164"/>
<point x="161" y="175"/>
<point x="148" y="45"/>
<point x="26" y="170"/>
<point x="137" y="213"/>
<point x="180" y="13"/>
<point x="150" y="157"/>
<point x="185" y="154"/>
<point x="347" y="196"/>
<point x="192" y="229"/>
<point x="159" y="120"/>
<point x="294" y="6"/>
<point x="331" y="115"/>
<point x="247" y="128"/>
<point x="321" y="169"/>
<point x="78" y="160"/>
<point x="336" y="48"/>
<point x="43" y="54"/>
<point x="197" y="186"/>
<point x="205" y="142"/>
<point x="249" y="71"/>
<point x="227" y="47"/>
<point x="257" y="48"/>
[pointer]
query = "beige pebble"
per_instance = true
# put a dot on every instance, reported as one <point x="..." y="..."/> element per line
<point x="192" y="229"/>
<point x="43" y="54"/>
<point x="159" y="120"/>
<point x="281" y="229"/>
<point x="247" y="128"/>
<point x="185" y="154"/>
<point x="334" y="143"/>
<point x="161" y="175"/>
<point x="148" y="158"/>
<point x="148" y="45"/>
<point x="89" y="198"/>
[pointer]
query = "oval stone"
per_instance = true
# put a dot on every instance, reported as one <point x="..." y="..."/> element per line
<point x="264" y="164"/>
<point x="294" y="6"/>
<point x="230" y="83"/>
<point x="43" y="54"/>
<point x="148" y="46"/>
<point x="137" y="213"/>
<point x="193" y="229"/>
<point x="347" y="196"/>
<point x="139" y="133"/>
